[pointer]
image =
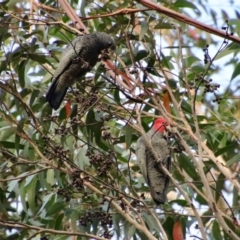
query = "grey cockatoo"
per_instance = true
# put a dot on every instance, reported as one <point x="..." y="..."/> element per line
<point x="77" y="59"/>
<point x="150" y="167"/>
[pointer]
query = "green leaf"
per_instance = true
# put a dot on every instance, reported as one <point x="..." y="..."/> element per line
<point x="186" y="164"/>
<point x="21" y="73"/>
<point x="74" y="125"/>
<point x="163" y="25"/>
<point x="117" y="96"/>
<point x="192" y="60"/>
<point x="151" y="222"/>
<point x="165" y="60"/>
<point x="94" y="128"/>
<point x="22" y="191"/>
<point x="128" y="135"/>
<point x="47" y="201"/>
<point x="35" y="223"/>
<point x="12" y="145"/>
<point x="59" y="221"/>
<point x="144" y="29"/>
<point x="55" y="208"/>
<point x="233" y="160"/>
<point x="141" y="54"/>
<point x="185" y="4"/>
<point x="236" y="71"/>
<point x="200" y="199"/>
<point x="34" y="96"/>
<point x="6" y="133"/>
<point x="50" y="178"/>
<point x="31" y="183"/>
<point x="183" y="221"/>
<point x="226" y="149"/>
<point x="130" y="231"/>
<point x="219" y="186"/>
<point x="210" y="141"/>
<point x="168" y="226"/>
<point x="224" y="53"/>
<point x="180" y="202"/>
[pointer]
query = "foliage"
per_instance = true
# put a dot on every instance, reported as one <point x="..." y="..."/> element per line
<point x="73" y="172"/>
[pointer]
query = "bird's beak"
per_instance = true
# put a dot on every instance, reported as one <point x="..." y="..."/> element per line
<point x="105" y="51"/>
<point x="109" y="50"/>
<point x="112" y="48"/>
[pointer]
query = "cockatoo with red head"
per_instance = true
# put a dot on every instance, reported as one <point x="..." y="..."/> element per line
<point x="151" y="167"/>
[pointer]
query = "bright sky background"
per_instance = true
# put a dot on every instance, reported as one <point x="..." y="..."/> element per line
<point x="229" y="6"/>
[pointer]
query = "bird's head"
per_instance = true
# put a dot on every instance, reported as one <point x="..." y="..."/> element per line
<point x="105" y="41"/>
<point x="160" y="124"/>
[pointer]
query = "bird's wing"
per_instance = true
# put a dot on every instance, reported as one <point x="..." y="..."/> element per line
<point x="141" y="157"/>
<point x="167" y="165"/>
<point x="158" y="181"/>
<point x="160" y="145"/>
<point x="69" y="53"/>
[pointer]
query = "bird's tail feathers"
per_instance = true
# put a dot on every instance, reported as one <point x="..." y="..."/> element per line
<point x="158" y="197"/>
<point x="55" y="97"/>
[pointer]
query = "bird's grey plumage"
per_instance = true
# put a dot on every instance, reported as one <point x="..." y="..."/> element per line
<point x="151" y="169"/>
<point x="77" y="59"/>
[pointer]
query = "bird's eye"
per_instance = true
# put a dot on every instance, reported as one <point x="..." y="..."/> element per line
<point x="109" y="44"/>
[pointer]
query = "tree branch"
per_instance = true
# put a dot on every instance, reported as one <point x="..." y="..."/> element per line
<point x="182" y="18"/>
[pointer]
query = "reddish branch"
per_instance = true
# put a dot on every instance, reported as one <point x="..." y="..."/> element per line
<point x="188" y="20"/>
<point x="72" y="15"/>
<point x="118" y="12"/>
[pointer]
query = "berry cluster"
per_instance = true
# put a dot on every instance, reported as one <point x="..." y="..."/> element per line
<point x="100" y="161"/>
<point x="64" y="193"/>
<point x="44" y="238"/>
<point x="50" y="119"/>
<point x="85" y="101"/>
<point x="212" y="88"/>
<point x="56" y="151"/>
<point x="107" y="235"/>
<point x="226" y="29"/>
<point x="106" y="134"/>
<point x="135" y="203"/>
<point x="76" y="121"/>
<point x="77" y="181"/>
<point x="133" y="71"/>
<point x="91" y="99"/>
<point x="61" y="153"/>
<point x="178" y="148"/>
<point x="62" y="130"/>
<point x="209" y="87"/>
<point x="106" y="117"/>
<point x="104" y="218"/>
<point x="47" y="147"/>
<point x="207" y="57"/>
<point x="79" y="97"/>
